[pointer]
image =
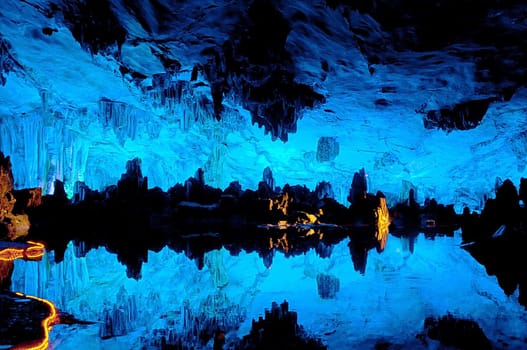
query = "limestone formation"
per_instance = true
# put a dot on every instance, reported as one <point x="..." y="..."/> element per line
<point x="327" y="286"/>
<point x="12" y="225"/>
<point x="279" y="329"/>
<point x="327" y="149"/>
<point x="457" y="332"/>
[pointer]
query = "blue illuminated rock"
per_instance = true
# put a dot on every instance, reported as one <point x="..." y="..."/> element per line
<point x="327" y="148"/>
<point x="118" y="318"/>
<point x="327" y="286"/>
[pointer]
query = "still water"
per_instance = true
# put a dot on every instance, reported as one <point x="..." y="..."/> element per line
<point x="388" y="303"/>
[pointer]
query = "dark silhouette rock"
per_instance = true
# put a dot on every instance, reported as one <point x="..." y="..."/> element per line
<point x="459" y="333"/>
<point x="94" y="25"/>
<point x="359" y="187"/>
<point x="503" y="210"/>
<point x="462" y="116"/>
<point x="278" y="329"/>
<point x="522" y="195"/>
<point x="431" y="218"/>
<point x="266" y="187"/>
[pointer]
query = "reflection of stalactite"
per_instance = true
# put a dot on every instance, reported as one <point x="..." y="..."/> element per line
<point x="359" y="256"/>
<point x="268" y="258"/>
<point x="278" y="329"/>
<point x="214" y="262"/>
<point x="283" y="244"/>
<point x="197" y="326"/>
<point x="408" y="243"/>
<point x="324" y="250"/>
<point x="327" y="286"/>
<point x="68" y="277"/>
<point x="120" y="318"/>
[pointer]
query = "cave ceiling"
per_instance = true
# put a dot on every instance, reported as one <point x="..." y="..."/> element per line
<point x="429" y="66"/>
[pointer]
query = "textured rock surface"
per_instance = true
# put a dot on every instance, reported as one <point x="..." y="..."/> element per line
<point x="12" y="225"/>
<point x="327" y="285"/>
<point x="327" y="149"/>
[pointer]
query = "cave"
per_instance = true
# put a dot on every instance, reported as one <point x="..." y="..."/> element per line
<point x="170" y="169"/>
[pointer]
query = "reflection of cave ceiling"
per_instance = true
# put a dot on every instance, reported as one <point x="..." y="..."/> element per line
<point x="411" y="90"/>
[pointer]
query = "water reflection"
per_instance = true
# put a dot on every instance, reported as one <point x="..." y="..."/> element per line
<point x="14" y="327"/>
<point x="196" y="284"/>
<point x="265" y="241"/>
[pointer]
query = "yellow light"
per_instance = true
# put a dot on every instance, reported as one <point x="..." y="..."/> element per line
<point x="383" y="223"/>
<point x="35" y="251"/>
<point x="46" y="323"/>
<point x="10" y="254"/>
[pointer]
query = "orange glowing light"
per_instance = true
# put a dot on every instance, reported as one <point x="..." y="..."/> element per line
<point x="46" y="323"/>
<point x="35" y="251"/>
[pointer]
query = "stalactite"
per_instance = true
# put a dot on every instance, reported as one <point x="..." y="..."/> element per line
<point x="172" y="97"/>
<point x="120" y="117"/>
<point x="179" y="101"/>
<point x="7" y="62"/>
<point x="45" y="148"/>
<point x="33" y="146"/>
<point x="214" y="166"/>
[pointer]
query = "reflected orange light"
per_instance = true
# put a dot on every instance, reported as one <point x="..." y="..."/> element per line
<point x="35" y="251"/>
<point x="46" y="323"/>
<point x="383" y="223"/>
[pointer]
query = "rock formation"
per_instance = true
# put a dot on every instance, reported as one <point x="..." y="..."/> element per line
<point x="496" y="238"/>
<point x="457" y="332"/>
<point x="13" y="222"/>
<point x="327" y="286"/>
<point x="278" y="329"/>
